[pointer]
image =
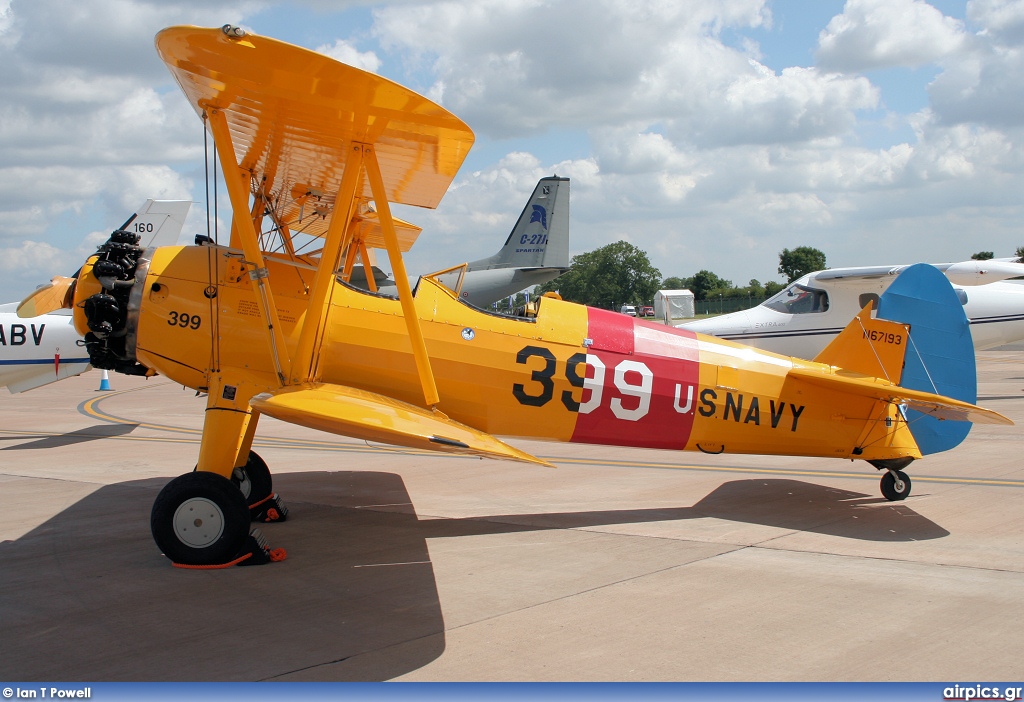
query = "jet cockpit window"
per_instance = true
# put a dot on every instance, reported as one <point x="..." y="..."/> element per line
<point x="799" y="299"/>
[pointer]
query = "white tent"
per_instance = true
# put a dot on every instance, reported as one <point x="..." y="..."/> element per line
<point x="671" y="306"/>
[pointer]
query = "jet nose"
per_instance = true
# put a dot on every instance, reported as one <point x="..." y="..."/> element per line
<point x="723" y="325"/>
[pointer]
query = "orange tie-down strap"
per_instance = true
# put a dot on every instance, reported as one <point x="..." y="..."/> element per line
<point x="270" y="509"/>
<point x="256" y="551"/>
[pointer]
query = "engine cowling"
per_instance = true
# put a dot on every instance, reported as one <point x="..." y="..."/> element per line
<point x="106" y="303"/>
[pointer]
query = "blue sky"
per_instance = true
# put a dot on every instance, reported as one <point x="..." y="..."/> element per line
<point x="712" y="134"/>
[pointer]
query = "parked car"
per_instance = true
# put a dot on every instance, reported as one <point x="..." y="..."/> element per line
<point x="628" y="309"/>
<point x="646" y="311"/>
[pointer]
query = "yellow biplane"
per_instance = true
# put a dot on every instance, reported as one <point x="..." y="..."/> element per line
<point x="314" y="153"/>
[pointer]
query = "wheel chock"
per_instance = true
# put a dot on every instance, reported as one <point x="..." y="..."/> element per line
<point x="269" y="509"/>
<point x="255" y="551"/>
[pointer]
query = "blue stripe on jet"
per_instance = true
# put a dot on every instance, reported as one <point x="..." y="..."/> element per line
<point x="41" y="362"/>
<point x="991" y="320"/>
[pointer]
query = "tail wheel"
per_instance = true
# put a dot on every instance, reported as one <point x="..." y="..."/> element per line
<point x="200" y="518"/>
<point x="895" y="485"/>
<point x="253" y="480"/>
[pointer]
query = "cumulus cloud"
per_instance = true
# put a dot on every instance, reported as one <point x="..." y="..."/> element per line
<point x="982" y="84"/>
<point x="1003" y="19"/>
<point x="345" y="52"/>
<point x="31" y="255"/>
<point x="681" y="138"/>
<point x="872" y="34"/>
<point x="515" y="68"/>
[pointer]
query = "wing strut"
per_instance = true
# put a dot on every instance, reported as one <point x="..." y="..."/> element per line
<point x="412" y="321"/>
<point x="237" y="180"/>
<point x="303" y="367"/>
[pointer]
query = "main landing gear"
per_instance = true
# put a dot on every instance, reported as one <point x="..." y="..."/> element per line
<point x="202" y="520"/>
<point x="895" y="483"/>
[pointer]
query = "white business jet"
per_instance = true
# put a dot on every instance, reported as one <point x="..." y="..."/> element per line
<point x="802" y="319"/>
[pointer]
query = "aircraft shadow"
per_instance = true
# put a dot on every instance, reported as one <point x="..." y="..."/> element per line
<point x="86" y="595"/>
<point x="99" y="431"/>
<point x="782" y="503"/>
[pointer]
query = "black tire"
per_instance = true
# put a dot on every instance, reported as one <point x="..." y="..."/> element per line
<point x="254" y="480"/>
<point x="889" y="487"/>
<point x="200" y="518"/>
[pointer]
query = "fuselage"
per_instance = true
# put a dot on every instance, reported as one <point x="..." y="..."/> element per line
<point x="801" y="320"/>
<point x="572" y="373"/>
<point x="39" y="351"/>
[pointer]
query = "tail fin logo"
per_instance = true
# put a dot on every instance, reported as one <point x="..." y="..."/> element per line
<point x="539" y="215"/>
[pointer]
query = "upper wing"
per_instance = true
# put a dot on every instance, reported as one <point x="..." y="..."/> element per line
<point x="294" y="115"/>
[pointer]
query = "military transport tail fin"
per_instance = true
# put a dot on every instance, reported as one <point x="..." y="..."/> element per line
<point x="159" y="222"/>
<point x="540" y="238"/>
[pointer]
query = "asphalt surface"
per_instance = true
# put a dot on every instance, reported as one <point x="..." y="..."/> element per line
<point x="621" y="564"/>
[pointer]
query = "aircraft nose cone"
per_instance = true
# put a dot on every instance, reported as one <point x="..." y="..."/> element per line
<point x="722" y="325"/>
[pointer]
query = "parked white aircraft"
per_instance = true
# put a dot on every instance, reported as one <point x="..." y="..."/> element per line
<point x="803" y="318"/>
<point x="45" y="349"/>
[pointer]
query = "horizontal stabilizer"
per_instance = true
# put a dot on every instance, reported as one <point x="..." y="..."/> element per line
<point x="938" y="406"/>
<point x="365" y="415"/>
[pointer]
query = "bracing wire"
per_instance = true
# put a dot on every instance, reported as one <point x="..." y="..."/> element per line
<point x="206" y="172"/>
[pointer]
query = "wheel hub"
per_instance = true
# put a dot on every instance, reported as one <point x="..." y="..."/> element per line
<point x="198" y="522"/>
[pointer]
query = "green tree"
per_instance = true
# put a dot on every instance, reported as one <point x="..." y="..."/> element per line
<point x="704" y="281"/>
<point x="771" y="288"/>
<point x="613" y="275"/>
<point x="800" y="261"/>
<point x="1019" y="253"/>
<point x="983" y="255"/>
<point x="675" y="283"/>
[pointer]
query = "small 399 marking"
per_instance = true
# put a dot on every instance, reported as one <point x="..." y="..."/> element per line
<point x="184" y="320"/>
<point x="883" y="337"/>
